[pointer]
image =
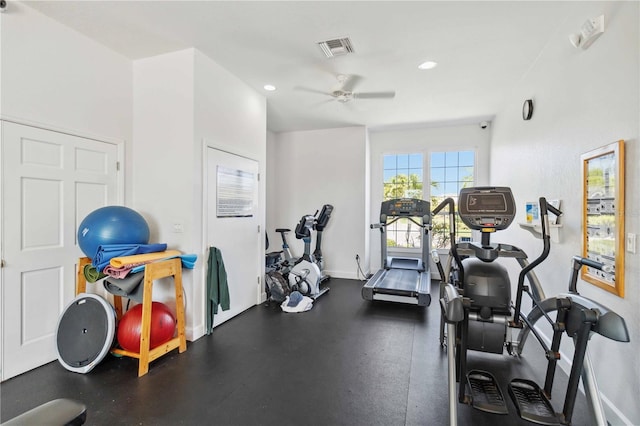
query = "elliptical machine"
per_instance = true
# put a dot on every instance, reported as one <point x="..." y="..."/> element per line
<point x="479" y="315"/>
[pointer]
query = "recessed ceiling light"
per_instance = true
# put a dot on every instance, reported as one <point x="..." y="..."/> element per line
<point x="427" y="65"/>
<point x="269" y="87"/>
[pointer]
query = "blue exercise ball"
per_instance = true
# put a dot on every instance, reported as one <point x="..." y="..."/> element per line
<point x="111" y="225"/>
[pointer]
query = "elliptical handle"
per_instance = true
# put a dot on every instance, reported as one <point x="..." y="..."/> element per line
<point x="553" y="209"/>
<point x="544" y="206"/>
<point x="452" y="232"/>
<point x="546" y="242"/>
<point x="578" y="263"/>
<point x="588" y="262"/>
<point x="446" y="202"/>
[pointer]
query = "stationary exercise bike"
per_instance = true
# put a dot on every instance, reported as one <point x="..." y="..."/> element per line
<point x="304" y="274"/>
<point x="479" y="315"/>
<point x="319" y="224"/>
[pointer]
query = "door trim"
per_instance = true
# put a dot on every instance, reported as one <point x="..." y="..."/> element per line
<point x="58" y="129"/>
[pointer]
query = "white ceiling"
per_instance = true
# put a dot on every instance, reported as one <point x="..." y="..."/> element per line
<point x="483" y="49"/>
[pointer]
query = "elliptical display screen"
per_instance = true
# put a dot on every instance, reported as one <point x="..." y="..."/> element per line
<point x="486" y="203"/>
<point x="486" y="207"/>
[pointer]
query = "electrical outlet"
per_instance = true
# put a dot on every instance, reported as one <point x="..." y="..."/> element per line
<point x="631" y="243"/>
<point x="178" y="228"/>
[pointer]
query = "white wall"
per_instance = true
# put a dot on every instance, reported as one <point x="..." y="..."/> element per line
<point x="309" y="169"/>
<point x="272" y="193"/>
<point x="56" y="78"/>
<point x="583" y="99"/>
<point x="229" y="116"/>
<point x="182" y="101"/>
<point x="421" y="139"/>
<point x="165" y="163"/>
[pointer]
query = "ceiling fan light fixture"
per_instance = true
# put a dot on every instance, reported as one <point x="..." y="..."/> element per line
<point x="427" y="65"/>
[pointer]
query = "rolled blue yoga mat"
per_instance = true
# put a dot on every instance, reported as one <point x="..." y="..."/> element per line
<point x="109" y="251"/>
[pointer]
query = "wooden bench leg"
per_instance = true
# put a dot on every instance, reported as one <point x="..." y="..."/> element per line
<point x="81" y="281"/>
<point x="145" y="331"/>
<point x="180" y="311"/>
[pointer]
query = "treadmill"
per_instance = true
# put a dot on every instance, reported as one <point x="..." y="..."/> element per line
<point x="403" y="280"/>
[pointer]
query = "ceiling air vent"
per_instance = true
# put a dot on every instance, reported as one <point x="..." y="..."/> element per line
<point x="336" y="47"/>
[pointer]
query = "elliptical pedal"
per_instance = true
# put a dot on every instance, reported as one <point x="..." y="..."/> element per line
<point x="531" y="403"/>
<point x="485" y="392"/>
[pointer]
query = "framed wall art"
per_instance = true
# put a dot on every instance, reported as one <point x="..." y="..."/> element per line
<point x="603" y="216"/>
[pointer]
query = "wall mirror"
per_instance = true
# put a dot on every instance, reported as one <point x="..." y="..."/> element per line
<point x="603" y="216"/>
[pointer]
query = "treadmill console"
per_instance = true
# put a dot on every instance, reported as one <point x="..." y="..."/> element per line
<point x="404" y="207"/>
<point x="486" y="207"/>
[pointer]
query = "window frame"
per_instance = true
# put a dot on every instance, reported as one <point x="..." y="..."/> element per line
<point x="474" y="175"/>
<point x="426" y="185"/>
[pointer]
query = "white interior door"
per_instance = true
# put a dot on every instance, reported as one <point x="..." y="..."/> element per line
<point x="50" y="182"/>
<point x="232" y="226"/>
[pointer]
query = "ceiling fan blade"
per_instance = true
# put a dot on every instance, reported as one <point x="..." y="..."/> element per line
<point x="374" y="95"/>
<point x="308" y="90"/>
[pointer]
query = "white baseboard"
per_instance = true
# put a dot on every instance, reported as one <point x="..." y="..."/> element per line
<point x="614" y="416"/>
<point x="194" y="333"/>
<point x="349" y="275"/>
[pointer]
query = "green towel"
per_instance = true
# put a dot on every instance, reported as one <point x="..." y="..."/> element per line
<point x="217" y="288"/>
<point x="91" y="273"/>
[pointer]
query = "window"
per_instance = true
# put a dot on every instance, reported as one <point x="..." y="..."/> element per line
<point x="450" y="172"/>
<point x="403" y="178"/>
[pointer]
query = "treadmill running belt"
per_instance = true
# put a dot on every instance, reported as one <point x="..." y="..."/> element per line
<point x="402" y="280"/>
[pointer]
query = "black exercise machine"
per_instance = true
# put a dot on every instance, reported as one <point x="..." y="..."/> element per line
<point x="405" y="280"/>
<point x="58" y="412"/>
<point x="479" y="315"/>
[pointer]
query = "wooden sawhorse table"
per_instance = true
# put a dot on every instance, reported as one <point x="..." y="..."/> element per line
<point x="152" y="271"/>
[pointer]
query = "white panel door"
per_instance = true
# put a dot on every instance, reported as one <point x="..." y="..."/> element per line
<point x="50" y="182"/>
<point x="237" y="236"/>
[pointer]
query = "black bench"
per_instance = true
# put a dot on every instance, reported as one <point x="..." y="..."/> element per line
<point x="54" y="413"/>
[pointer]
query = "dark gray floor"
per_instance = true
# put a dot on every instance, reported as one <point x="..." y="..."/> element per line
<point x="345" y="362"/>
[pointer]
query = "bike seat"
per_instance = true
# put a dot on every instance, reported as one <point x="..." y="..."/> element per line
<point x="283" y="230"/>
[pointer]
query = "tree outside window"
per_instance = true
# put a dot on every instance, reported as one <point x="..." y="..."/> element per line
<point x="403" y="178"/>
<point x="450" y="172"/>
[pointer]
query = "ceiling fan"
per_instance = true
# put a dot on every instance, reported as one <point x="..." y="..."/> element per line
<point x="344" y="92"/>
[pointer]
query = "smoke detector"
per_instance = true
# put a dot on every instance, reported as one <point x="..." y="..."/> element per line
<point x="336" y="47"/>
